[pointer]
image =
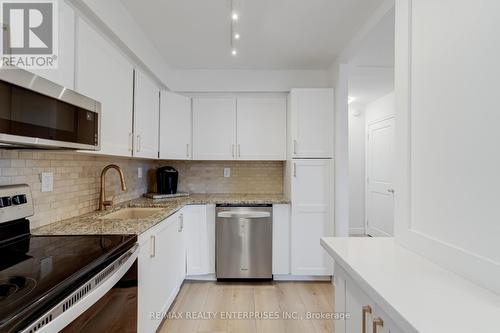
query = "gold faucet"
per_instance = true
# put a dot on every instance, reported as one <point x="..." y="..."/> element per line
<point x="103" y="203"/>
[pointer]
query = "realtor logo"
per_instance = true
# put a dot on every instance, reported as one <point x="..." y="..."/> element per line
<point x="29" y="37"/>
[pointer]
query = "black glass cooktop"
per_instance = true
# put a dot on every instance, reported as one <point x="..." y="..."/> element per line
<point x="36" y="272"/>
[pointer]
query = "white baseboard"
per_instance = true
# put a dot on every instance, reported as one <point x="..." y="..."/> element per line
<point x="288" y="277"/>
<point x="205" y="277"/>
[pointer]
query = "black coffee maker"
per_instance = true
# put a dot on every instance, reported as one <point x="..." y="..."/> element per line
<point x="166" y="180"/>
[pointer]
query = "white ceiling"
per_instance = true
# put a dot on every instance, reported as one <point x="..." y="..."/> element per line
<point x="275" y="34"/>
<point x="371" y="71"/>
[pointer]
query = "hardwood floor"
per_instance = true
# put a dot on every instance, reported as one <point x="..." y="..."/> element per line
<point x="233" y="307"/>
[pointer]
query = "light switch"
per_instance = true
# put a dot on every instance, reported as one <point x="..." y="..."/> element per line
<point x="227" y="172"/>
<point x="47" y="179"/>
<point x="139" y="173"/>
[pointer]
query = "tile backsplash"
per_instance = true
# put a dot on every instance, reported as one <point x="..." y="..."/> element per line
<point x="251" y="177"/>
<point x="77" y="179"/>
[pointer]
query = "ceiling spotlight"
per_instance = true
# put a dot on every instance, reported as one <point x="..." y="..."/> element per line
<point x="350" y="99"/>
<point x="234" y="52"/>
<point x="234" y="16"/>
<point x="236" y="36"/>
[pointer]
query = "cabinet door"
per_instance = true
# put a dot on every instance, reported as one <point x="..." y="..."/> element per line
<point x="105" y="75"/>
<point x="197" y="240"/>
<point x="361" y="309"/>
<point x="312" y="114"/>
<point x="146" y="280"/>
<point x="261" y="128"/>
<point x="175" y="126"/>
<point x="214" y="128"/>
<point x="281" y="239"/>
<point x="161" y="261"/>
<point x="64" y="74"/>
<point x="146" y="116"/>
<point x="311" y="216"/>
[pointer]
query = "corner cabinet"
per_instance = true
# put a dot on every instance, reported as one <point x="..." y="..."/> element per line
<point x="311" y="123"/>
<point x="161" y="270"/>
<point x="108" y="77"/>
<point x="312" y="218"/>
<point x="146" y="116"/>
<point x="175" y="126"/>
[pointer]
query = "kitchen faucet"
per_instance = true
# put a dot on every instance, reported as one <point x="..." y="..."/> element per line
<point x="103" y="203"/>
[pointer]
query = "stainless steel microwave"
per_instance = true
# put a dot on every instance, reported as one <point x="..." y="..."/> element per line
<point x="35" y="112"/>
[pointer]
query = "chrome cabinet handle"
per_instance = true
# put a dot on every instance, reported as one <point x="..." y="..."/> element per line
<point x="153" y="247"/>
<point x="187" y="149"/>
<point x="390" y="190"/>
<point x="366" y="310"/>
<point x="294" y="147"/>
<point x="295" y="169"/>
<point x="377" y="322"/>
<point x="181" y="223"/>
<point x="239" y="150"/>
<point x="138" y="143"/>
<point x="130" y="141"/>
<point x="232" y="150"/>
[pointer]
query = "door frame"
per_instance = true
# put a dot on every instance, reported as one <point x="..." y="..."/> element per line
<point x="373" y="122"/>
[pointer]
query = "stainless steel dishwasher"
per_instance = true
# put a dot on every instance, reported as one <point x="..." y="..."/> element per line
<point x="244" y="236"/>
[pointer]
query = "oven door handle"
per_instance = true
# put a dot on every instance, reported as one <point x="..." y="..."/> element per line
<point x="61" y="319"/>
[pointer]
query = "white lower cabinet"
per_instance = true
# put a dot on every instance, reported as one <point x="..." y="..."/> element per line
<point x="197" y="240"/>
<point x="161" y="270"/>
<point x="281" y="239"/>
<point x="365" y="315"/>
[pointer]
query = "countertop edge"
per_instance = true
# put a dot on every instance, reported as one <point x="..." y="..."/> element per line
<point x="443" y="320"/>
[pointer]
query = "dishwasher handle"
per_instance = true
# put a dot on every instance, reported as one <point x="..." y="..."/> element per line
<point x="244" y="214"/>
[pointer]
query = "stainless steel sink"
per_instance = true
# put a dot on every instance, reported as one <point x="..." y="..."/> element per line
<point x="132" y="213"/>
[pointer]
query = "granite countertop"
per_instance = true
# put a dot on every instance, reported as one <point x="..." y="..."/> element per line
<point x="94" y="224"/>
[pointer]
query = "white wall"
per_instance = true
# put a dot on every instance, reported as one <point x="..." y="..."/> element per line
<point x="246" y="80"/>
<point x="357" y="139"/>
<point x="447" y="134"/>
<point x="380" y="108"/>
<point x="339" y="74"/>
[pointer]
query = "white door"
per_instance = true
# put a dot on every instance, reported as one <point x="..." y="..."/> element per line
<point x="380" y="173"/>
<point x="105" y="75"/>
<point x="312" y="123"/>
<point x="175" y="126"/>
<point x="214" y="128"/>
<point x="146" y="116"/>
<point x="261" y="128"/>
<point x="311" y="216"/>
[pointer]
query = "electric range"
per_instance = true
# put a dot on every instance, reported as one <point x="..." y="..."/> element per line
<point x="38" y="273"/>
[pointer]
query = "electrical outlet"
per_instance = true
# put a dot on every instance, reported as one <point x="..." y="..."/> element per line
<point x="47" y="179"/>
<point x="139" y="173"/>
<point x="227" y="172"/>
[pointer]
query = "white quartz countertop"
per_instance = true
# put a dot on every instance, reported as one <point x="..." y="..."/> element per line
<point x="415" y="292"/>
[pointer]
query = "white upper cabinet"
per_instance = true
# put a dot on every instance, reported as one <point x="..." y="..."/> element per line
<point x="64" y="74"/>
<point x="104" y="74"/>
<point x="261" y="128"/>
<point x="146" y="116"/>
<point x="312" y="116"/>
<point x="214" y="128"/>
<point x="175" y="126"/>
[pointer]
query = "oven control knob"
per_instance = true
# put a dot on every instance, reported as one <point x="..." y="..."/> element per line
<point x="19" y="199"/>
<point x="5" y="202"/>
